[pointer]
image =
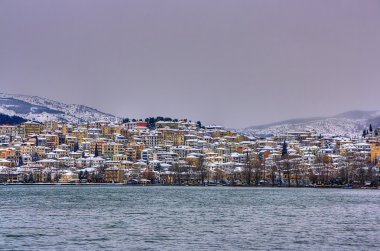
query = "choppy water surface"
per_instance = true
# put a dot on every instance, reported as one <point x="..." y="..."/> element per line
<point x="187" y="218"/>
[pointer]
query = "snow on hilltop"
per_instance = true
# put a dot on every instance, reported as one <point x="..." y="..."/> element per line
<point x="43" y="109"/>
<point x="349" y="124"/>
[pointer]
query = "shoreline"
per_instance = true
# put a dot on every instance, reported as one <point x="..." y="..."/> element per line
<point x="164" y="185"/>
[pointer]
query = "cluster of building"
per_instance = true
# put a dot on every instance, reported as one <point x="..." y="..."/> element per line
<point x="182" y="152"/>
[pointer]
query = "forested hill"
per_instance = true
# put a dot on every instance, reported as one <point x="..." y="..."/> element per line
<point x="10" y="120"/>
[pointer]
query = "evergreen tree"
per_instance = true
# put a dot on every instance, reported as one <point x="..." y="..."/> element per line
<point x="370" y="128"/>
<point x="151" y="122"/>
<point x="36" y="138"/>
<point x="11" y="120"/>
<point x="364" y="133"/>
<point x="76" y="147"/>
<point x="35" y="157"/>
<point x="20" y="162"/>
<point x="96" y="153"/>
<point x="284" y="152"/>
<point x="158" y="167"/>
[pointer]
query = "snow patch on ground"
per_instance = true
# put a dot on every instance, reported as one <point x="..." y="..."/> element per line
<point x="59" y="111"/>
<point x="335" y="126"/>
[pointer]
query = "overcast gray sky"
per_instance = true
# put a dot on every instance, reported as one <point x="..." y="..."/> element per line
<point x="236" y="63"/>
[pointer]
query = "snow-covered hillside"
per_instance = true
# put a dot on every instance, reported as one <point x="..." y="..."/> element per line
<point x="346" y="124"/>
<point x="42" y="109"/>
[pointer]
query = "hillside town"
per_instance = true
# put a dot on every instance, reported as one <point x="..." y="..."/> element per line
<point x="181" y="152"/>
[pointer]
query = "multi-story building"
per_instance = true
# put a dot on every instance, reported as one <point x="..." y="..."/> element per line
<point x="30" y="128"/>
<point x="114" y="175"/>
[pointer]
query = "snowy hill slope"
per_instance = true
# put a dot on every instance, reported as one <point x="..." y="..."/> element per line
<point x="349" y="124"/>
<point x="42" y="109"/>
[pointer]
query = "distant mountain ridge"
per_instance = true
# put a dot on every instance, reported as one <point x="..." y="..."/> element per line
<point x="40" y="109"/>
<point x="43" y="109"/>
<point x="349" y="123"/>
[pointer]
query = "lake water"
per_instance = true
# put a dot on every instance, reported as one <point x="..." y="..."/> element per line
<point x="187" y="218"/>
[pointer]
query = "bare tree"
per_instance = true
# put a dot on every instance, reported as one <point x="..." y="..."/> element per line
<point x="295" y="163"/>
<point x="257" y="165"/>
<point x="218" y="175"/>
<point x="286" y="170"/>
<point x="201" y="169"/>
<point x="177" y="170"/>
<point x="248" y="169"/>
<point x="273" y="172"/>
<point x="57" y="176"/>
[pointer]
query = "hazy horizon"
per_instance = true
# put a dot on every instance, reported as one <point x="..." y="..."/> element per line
<point x="234" y="63"/>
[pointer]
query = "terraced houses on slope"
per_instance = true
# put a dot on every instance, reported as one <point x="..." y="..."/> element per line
<point x="182" y="152"/>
